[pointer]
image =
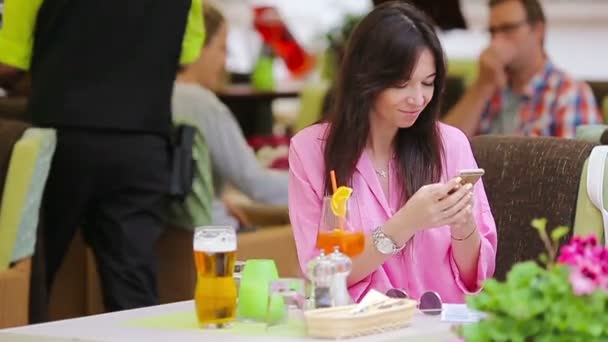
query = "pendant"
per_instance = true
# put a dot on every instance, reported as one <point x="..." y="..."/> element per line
<point x="382" y="173"/>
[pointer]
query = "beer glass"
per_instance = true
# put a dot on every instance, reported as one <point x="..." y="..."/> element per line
<point x="214" y="257"/>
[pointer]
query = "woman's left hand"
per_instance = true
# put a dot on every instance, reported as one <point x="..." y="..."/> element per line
<point x="464" y="228"/>
<point x="463" y="222"/>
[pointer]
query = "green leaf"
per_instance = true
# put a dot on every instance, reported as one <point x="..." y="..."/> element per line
<point x="523" y="274"/>
<point x="478" y="332"/>
<point x="538" y="304"/>
<point x="559" y="233"/>
<point x="543" y="258"/>
<point x="540" y="224"/>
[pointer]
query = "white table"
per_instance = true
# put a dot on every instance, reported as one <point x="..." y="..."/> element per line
<point x="112" y="327"/>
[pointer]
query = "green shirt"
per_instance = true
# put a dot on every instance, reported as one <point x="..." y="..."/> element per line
<point x="19" y="21"/>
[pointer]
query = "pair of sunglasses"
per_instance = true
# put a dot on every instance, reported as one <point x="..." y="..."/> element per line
<point x="429" y="304"/>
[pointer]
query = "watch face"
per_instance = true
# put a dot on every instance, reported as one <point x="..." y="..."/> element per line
<point x="385" y="245"/>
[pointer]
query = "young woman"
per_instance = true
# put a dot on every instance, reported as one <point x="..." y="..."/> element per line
<point x="233" y="161"/>
<point x="424" y="230"/>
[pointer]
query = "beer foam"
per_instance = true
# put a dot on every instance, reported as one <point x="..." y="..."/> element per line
<point x="218" y="244"/>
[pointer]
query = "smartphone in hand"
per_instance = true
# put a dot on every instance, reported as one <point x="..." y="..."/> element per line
<point x="469" y="176"/>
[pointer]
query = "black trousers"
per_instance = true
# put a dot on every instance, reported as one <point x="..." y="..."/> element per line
<point x="113" y="186"/>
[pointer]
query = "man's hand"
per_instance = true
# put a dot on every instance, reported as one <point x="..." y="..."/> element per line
<point x="492" y="66"/>
<point x="492" y="75"/>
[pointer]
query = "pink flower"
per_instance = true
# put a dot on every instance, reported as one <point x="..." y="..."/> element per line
<point x="581" y="285"/>
<point x="588" y="262"/>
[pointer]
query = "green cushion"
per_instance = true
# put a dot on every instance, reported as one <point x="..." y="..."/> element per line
<point x="25" y="180"/>
<point x="196" y="209"/>
<point x="590" y="133"/>
<point x="588" y="218"/>
<point x="26" y="234"/>
<point x="465" y="68"/>
<point x="311" y="103"/>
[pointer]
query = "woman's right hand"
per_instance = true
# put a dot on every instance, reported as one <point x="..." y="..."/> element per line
<point x="434" y="205"/>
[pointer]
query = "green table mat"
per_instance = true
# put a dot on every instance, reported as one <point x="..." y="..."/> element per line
<point x="188" y="321"/>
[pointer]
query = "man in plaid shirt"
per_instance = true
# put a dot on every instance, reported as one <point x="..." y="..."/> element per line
<point x="518" y="90"/>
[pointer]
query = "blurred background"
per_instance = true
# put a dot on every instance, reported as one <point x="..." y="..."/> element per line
<point x="572" y="26"/>
<point x="573" y="42"/>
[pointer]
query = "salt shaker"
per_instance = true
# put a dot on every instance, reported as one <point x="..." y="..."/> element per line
<point x="321" y="272"/>
<point x="339" y="288"/>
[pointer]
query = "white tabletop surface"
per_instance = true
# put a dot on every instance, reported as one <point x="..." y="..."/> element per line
<point x="112" y="327"/>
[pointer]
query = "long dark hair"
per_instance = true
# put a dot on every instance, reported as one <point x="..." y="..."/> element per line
<point x="382" y="50"/>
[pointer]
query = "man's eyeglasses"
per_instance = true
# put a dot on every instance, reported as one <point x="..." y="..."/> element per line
<point x="506" y="28"/>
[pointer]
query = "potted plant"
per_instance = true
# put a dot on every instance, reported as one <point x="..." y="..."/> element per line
<point x="562" y="298"/>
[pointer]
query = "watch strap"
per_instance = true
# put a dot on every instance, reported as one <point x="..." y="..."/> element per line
<point x="379" y="234"/>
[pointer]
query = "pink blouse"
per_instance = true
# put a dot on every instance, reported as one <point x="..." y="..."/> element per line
<point x="427" y="263"/>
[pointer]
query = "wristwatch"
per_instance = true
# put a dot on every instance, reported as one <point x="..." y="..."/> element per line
<point x="384" y="243"/>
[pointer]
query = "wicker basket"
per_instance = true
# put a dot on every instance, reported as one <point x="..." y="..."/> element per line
<point x="339" y="322"/>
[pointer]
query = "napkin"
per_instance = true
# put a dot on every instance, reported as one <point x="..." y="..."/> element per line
<point x="460" y="313"/>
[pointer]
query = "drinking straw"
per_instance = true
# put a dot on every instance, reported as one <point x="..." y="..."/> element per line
<point x="334" y="184"/>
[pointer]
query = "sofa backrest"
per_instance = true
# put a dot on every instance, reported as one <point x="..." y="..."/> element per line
<point x="529" y="178"/>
